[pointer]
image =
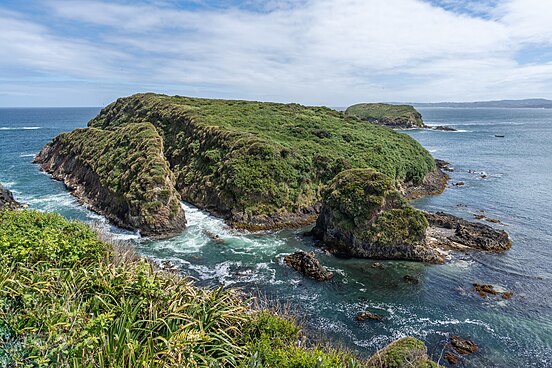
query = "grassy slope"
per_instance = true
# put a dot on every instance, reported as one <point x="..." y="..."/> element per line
<point x="260" y="158"/>
<point x="130" y="163"/>
<point x="386" y="113"/>
<point x="68" y="299"/>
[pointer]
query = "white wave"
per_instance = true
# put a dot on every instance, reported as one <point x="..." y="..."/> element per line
<point x="20" y="128"/>
<point x="27" y="154"/>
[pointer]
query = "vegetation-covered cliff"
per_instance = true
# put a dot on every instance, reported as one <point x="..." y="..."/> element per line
<point x="121" y="173"/>
<point x="259" y="165"/>
<point x="394" y="116"/>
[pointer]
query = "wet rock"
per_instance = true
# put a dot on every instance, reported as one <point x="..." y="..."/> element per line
<point x="492" y="220"/>
<point x="411" y="279"/>
<point x="451" y="358"/>
<point x="484" y="289"/>
<point x="6" y="199"/>
<point x="444" y="128"/>
<point x="308" y="265"/>
<point x="364" y="315"/>
<point x="377" y="265"/>
<point x="507" y="295"/>
<point x="215" y="237"/>
<point x="443" y="165"/>
<point x="469" y="234"/>
<point x="463" y="346"/>
<point x="479" y="217"/>
<point x="460" y="184"/>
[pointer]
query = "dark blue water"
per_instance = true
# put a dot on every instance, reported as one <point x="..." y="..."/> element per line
<point x="518" y="168"/>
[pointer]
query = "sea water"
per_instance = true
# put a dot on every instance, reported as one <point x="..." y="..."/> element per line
<point x="506" y="178"/>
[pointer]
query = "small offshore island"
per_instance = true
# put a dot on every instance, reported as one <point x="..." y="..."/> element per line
<point x="257" y="165"/>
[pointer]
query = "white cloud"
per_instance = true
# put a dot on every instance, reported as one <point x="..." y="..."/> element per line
<point x="319" y="51"/>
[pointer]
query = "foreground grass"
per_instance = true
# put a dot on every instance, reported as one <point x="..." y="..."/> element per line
<point x="68" y="299"/>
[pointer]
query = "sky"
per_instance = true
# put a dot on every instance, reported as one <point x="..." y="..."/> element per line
<point x="315" y="52"/>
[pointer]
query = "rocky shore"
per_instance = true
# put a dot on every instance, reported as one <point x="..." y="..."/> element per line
<point x="6" y="200"/>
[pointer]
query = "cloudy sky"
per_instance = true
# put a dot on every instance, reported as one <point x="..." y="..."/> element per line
<point x="330" y="52"/>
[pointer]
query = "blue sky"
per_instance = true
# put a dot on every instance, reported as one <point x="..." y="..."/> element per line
<point x="328" y="52"/>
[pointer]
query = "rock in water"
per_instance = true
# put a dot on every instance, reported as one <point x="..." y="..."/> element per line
<point x="470" y="234"/>
<point x="6" y="200"/>
<point x="407" y="352"/>
<point x="451" y="358"/>
<point x="308" y="265"/>
<point x="363" y="215"/>
<point x="362" y="316"/>
<point x="463" y="346"/>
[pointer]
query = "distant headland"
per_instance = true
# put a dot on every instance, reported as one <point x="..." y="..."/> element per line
<point x="534" y="103"/>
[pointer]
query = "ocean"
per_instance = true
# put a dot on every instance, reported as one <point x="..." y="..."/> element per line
<point x="505" y="178"/>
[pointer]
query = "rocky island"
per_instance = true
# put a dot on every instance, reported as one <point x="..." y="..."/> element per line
<point x="258" y="165"/>
<point x="393" y="116"/>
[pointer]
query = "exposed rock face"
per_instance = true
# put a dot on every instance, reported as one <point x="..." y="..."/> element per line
<point x="308" y="265"/>
<point x="407" y="352"/>
<point x="141" y="198"/>
<point x="363" y="215"/>
<point x="454" y="231"/>
<point x="6" y="200"/>
<point x="393" y="116"/>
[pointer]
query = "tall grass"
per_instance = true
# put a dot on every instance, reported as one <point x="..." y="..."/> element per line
<point x="118" y="310"/>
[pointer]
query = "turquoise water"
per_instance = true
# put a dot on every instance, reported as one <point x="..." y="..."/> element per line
<point x="510" y="333"/>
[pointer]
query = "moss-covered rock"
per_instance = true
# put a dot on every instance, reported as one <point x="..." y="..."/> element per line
<point x="121" y="173"/>
<point x="363" y="215"/>
<point x="262" y="165"/>
<point x="394" y="116"/>
<point x="407" y="352"/>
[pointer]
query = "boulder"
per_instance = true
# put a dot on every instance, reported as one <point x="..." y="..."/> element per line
<point x="308" y="265"/>
<point x="463" y="346"/>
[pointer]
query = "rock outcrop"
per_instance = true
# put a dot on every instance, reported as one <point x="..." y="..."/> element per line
<point x="393" y="116"/>
<point x="454" y="232"/>
<point x="6" y="200"/>
<point x="121" y="174"/>
<point x="363" y="215"/>
<point x="406" y="352"/>
<point x="308" y="265"/>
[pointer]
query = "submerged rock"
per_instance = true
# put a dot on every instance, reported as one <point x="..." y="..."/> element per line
<point x="6" y="200"/>
<point x="362" y="316"/>
<point x="485" y="290"/>
<point x="406" y="352"/>
<point x="451" y="358"/>
<point x="363" y="215"/>
<point x="377" y="265"/>
<point x="411" y="279"/>
<point x="308" y="265"/>
<point x="463" y="346"/>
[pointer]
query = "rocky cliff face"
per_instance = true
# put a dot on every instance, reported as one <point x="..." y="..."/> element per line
<point x="121" y="174"/>
<point x="363" y="215"/>
<point x="6" y="200"/>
